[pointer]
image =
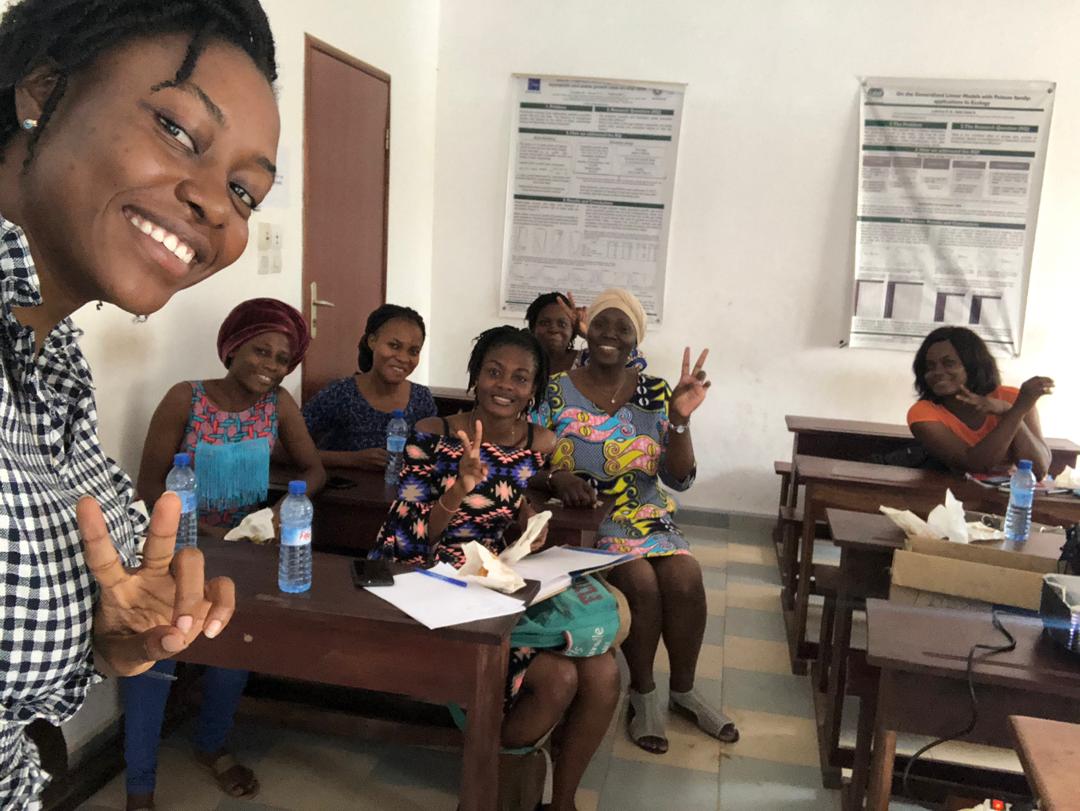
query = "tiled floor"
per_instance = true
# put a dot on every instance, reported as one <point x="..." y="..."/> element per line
<point x="743" y="665"/>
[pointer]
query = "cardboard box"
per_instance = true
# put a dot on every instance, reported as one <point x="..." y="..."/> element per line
<point x="949" y="580"/>
<point x="1040" y="554"/>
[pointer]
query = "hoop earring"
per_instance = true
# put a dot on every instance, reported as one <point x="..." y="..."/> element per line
<point x="29" y="123"/>
<point x="99" y="305"/>
<point x="140" y="319"/>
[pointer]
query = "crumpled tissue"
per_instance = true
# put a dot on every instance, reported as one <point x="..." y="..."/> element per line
<point x="257" y="527"/>
<point x="944" y="521"/>
<point x="494" y="571"/>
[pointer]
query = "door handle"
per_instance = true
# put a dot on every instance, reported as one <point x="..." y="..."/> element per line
<point x="316" y="302"/>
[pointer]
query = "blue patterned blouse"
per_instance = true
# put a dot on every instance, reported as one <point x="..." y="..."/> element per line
<point x="339" y="418"/>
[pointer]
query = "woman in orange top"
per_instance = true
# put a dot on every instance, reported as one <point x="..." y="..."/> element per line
<point x="964" y="417"/>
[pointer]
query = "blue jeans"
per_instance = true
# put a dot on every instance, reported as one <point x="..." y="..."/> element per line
<point x="144" y="700"/>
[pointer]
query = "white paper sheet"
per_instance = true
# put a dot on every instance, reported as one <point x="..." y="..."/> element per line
<point x="435" y="603"/>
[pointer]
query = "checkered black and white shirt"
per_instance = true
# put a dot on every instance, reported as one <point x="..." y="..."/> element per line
<point x="49" y="457"/>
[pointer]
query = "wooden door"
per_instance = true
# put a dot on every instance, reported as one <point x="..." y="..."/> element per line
<point x="346" y="176"/>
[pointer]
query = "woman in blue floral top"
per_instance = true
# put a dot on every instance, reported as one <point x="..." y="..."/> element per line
<point x="348" y="418"/>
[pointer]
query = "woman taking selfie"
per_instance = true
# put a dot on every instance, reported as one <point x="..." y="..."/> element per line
<point x="136" y="138"/>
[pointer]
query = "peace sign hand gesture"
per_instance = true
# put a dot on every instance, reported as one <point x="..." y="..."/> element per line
<point x="158" y="609"/>
<point x="577" y="315"/>
<point x="471" y="469"/>
<point x="691" y="389"/>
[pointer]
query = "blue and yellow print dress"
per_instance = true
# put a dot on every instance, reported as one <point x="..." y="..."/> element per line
<point x="620" y="455"/>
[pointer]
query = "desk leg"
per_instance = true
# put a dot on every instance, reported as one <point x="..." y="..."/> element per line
<point x="797" y="631"/>
<point x="864" y="741"/>
<point x="480" y="766"/>
<point x="884" y="757"/>
<point x="837" y="662"/>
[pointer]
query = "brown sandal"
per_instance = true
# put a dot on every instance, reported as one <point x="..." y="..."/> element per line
<point x="233" y="778"/>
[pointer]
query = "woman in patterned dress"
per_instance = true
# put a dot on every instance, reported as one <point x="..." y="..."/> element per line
<point x="348" y="418"/>
<point x="463" y="480"/>
<point x="118" y="182"/>
<point x="624" y="433"/>
<point x="230" y="426"/>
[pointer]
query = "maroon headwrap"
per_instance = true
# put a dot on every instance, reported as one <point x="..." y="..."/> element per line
<point x="260" y="315"/>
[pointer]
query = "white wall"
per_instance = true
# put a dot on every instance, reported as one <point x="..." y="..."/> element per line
<point x="134" y="364"/>
<point x="760" y="258"/>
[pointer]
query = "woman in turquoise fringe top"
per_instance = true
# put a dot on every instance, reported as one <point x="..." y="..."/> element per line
<point x="230" y="425"/>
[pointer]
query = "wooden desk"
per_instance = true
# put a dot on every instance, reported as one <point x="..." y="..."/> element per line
<point x="866" y="542"/>
<point x="1049" y="752"/>
<point x="336" y="634"/>
<point x="450" y="400"/>
<point x="864" y="487"/>
<point x="859" y="440"/>
<point x="923" y="688"/>
<point x="348" y="520"/>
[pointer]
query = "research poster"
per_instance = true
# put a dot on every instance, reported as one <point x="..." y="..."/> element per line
<point x="950" y="173"/>
<point x="589" y="189"/>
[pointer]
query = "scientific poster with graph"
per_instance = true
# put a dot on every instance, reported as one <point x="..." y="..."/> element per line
<point x="950" y="173"/>
<point x="592" y="172"/>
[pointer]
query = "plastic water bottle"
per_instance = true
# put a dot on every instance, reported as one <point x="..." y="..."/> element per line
<point x="294" y="565"/>
<point x="181" y="480"/>
<point x="397" y="431"/>
<point x="1021" y="493"/>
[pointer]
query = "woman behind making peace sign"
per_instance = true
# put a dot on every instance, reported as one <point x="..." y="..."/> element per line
<point x="136" y="138"/>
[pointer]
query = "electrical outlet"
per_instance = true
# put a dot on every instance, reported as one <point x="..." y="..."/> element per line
<point x="275" y="261"/>
<point x="264" y="263"/>
<point x="275" y="237"/>
<point x="265" y="236"/>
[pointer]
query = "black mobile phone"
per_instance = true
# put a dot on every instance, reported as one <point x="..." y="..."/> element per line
<point x="339" y="483"/>
<point x="368" y="573"/>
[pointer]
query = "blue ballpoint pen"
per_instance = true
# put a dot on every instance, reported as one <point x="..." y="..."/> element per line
<point x="451" y="580"/>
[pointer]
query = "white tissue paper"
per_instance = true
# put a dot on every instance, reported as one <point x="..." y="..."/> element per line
<point x="944" y="521"/>
<point x="1068" y="478"/>
<point x="485" y="569"/>
<point x="947" y="520"/>
<point x="911" y="524"/>
<point x="523" y="545"/>
<point x="257" y="527"/>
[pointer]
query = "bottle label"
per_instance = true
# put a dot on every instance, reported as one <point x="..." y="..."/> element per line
<point x="295" y="536"/>
<point x="189" y="502"/>
<point x="394" y="443"/>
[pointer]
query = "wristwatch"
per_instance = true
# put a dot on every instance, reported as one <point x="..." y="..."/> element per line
<point x="680" y="429"/>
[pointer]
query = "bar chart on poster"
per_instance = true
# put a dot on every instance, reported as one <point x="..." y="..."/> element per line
<point x="950" y="174"/>
<point x="589" y="189"/>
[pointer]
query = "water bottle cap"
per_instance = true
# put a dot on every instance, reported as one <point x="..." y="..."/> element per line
<point x="397" y="413"/>
<point x="181" y="460"/>
<point x="1024" y="464"/>
<point x="297" y="488"/>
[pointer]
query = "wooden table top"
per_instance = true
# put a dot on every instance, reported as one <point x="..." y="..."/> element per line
<point x="1055" y="508"/>
<point x="828" y="425"/>
<point x="936" y="642"/>
<point x="333" y="600"/>
<point x="874" y="531"/>
<point x="1049" y="752"/>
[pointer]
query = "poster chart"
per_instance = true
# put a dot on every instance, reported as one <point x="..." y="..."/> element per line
<point x="950" y="173"/>
<point x="588" y="204"/>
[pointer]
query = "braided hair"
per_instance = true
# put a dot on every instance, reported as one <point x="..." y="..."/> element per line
<point x="365" y="358"/>
<point x="69" y="35"/>
<point x="510" y="336"/>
